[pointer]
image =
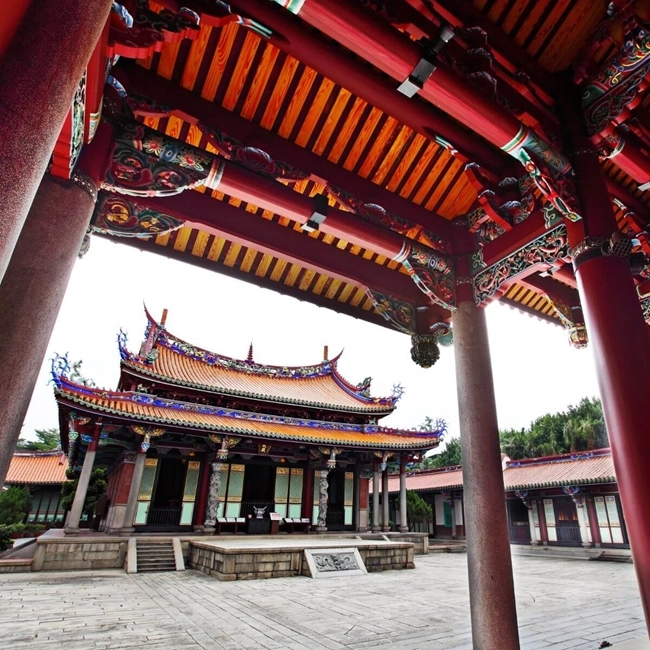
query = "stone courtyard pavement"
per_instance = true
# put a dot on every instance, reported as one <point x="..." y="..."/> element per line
<point x="561" y="603"/>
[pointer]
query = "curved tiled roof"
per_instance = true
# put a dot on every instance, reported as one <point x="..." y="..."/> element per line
<point x="37" y="468"/>
<point x="560" y="470"/>
<point x="142" y="408"/>
<point x="171" y="360"/>
<point x="585" y="468"/>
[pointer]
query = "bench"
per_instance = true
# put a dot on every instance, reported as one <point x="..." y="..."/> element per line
<point x="229" y="523"/>
<point x="296" y="522"/>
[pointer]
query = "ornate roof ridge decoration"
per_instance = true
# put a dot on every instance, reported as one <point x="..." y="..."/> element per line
<point x="560" y="458"/>
<point x="156" y="335"/>
<point x="67" y="387"/>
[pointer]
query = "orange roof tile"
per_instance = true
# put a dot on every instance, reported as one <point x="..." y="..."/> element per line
<point x="172" y="360"/>
<point x="140" y="407"/>
<point x="559" y="470"/>
<point x="37" y="468"/>
<point x="439" y="479"/>
<point x="554" y="471"/>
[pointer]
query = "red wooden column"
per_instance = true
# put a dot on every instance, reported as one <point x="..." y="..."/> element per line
<point x="199" y="511"/>
<point x="33" y="287"/>
<point x="308" y="493"/>
<point x="619" y="337"/>
<point x="39" y="74"/>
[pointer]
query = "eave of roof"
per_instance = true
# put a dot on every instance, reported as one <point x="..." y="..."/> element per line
<point x="137" y="368"/>
<point x="138" y="407"/>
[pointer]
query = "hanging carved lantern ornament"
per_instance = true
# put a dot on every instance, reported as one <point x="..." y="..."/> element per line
<point x="424" y="349"/>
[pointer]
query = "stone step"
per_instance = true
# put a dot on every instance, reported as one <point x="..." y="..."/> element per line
<point x="156" y="556"/>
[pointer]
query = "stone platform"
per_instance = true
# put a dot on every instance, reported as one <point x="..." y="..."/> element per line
<point x="273" y="557"/>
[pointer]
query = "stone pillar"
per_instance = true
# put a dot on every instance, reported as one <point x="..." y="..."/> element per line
<point x="585" y="534"/>
<point x="403" y="519"/>
<point x="323" y="486"/>
<point x="34" y="285"/>
<point x="452" y="510"/>
<point x="376" y="526"/>
<point x="213" y="498"/>
<point x="385" y="524"/>
<point x="531" y="523"/>
<point x="74" y="515"/>
<point x="39" y="75"/>
<point x="491" y="588"/>
<point x="132" y="503"/>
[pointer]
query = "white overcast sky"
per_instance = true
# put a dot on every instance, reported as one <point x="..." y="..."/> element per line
<point x="535" y="369"/>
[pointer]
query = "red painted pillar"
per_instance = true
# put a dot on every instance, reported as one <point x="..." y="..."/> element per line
<point x="308" y="493"/>
<point x="33" y="287"/>
<point x="619" y="337"/>
<point x="199" y="511"/>
<point x="39" y="74"/>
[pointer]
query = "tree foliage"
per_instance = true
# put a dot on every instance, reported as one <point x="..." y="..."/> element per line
<point x="15" y="503"/>
<point x="46" y="440"/>
<point x="449" y="456"/>
<point x="579" y="428"/>
<point x="417" y="509"/>
<point x="96" y="489"/>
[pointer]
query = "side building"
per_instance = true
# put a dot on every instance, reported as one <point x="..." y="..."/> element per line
<point x="196" y="440"/>
<point x="565" y="500"/>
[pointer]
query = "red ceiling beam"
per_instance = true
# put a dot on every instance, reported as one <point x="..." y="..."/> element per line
<point x="290" y="36"/>
<point x="238" y="225"/>
<point x="513" y="240"/>
<point x="553" y="289"/>
<point x="463" y="14"/>
<point x="151" y="85"/>
<point x="394" y="53"/>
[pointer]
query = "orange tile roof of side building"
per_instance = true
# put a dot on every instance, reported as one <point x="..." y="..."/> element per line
<point x="37" y="468"/>
<point x="172" y="360"/>
<point x="581" y="468"/>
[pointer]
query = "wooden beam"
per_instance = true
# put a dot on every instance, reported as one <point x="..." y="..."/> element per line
<point x="238" y="225"/>
<point x="147" y="83"/>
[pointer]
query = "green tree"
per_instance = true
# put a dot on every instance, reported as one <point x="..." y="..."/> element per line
<point x="417" y="509"/>
<point x="46" y="440"/>
<point x="579" y="428"/>
<point x="96" y="488"/>
<point x="15" y="503"/>
<point x="449" y="456"/>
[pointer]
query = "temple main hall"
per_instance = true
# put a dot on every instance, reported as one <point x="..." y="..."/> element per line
<point x="195" y="441"/>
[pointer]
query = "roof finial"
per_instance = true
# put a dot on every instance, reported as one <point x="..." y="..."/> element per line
<point x="326" y="353"/>
<point x="249" y="358"/>
<point x="163" y="318"/>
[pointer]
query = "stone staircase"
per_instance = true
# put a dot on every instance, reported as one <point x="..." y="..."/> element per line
<point x="155" y="556"/>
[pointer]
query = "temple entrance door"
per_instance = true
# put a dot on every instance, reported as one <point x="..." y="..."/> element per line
<point x="259" y="482"/>
<point x="566" y="521"/>
<point x="167" y="502"/>
<point x="336" y="499"/>
<point x="518" y="522"/>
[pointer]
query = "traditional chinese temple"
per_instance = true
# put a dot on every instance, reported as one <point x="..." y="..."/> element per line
<point x="194" y="440"/>
<point x="405" y="162"/>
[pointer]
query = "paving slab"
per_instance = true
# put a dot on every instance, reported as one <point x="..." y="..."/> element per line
<point x="562" y="604"/>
